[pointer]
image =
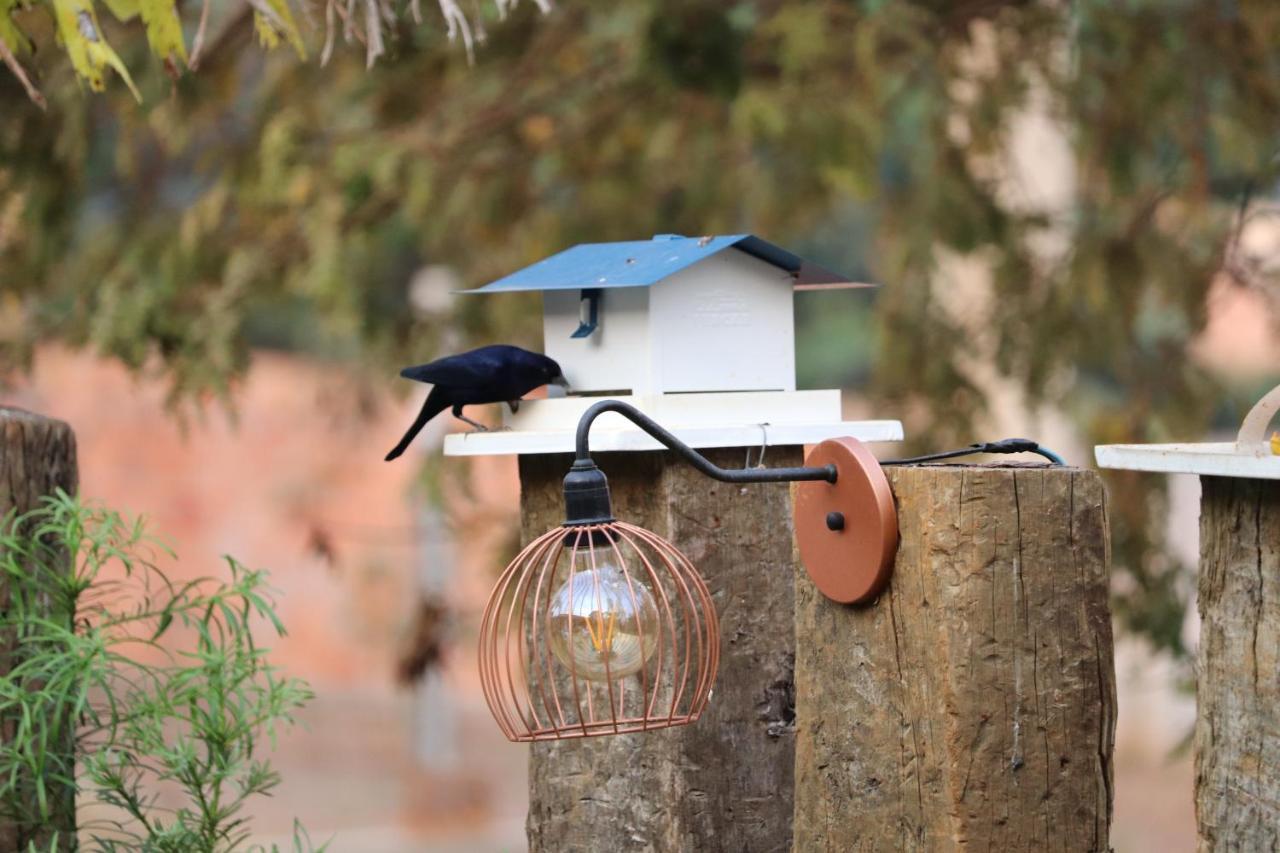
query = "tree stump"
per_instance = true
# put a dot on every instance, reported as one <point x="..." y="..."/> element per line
<point x="724" y="783"/>
<point x="37" y="457"/>
<point x="973" y="704"/>
<point x="1237" y="737"/>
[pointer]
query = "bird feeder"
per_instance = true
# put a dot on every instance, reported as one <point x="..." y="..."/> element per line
<point x="698" y="333"/>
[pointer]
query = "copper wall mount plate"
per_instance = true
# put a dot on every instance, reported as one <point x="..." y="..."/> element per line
<point x="847" y="530"/>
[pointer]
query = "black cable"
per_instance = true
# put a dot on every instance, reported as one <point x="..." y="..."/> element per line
<point x="1006" y="445"/>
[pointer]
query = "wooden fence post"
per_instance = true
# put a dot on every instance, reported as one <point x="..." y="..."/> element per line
<point x="724" y="783"/>
<point x="973" y="705"/>
<point x="37" y="457"/>
<point x="1237" y="738"/>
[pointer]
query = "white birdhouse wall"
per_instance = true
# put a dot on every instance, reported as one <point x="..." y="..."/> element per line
<point x="615" y="357"/>
<point x="724" y="324"/>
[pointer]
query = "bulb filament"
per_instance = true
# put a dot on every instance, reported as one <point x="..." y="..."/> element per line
<point x="602" y="638"/>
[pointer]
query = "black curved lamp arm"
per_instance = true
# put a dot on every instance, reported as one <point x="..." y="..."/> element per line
<point x="687" y="453"/>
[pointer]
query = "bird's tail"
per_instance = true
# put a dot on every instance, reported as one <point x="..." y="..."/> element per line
<point x="433" y="406"/>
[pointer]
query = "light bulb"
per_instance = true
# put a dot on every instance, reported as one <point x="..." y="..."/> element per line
<point x="602" y="627"/>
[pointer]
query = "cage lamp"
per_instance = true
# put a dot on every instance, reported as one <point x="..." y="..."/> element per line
<point x="602" y="627"/>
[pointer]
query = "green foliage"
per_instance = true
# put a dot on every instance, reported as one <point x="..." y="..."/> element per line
<point x="140" y="684"/>
<point x="873" y="136"/>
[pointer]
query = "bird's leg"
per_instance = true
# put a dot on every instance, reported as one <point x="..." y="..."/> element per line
<point x="514" y="404"/>
<point x="479" y="427"/>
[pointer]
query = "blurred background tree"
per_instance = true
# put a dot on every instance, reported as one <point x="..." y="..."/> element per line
<point x="268" y="201"/>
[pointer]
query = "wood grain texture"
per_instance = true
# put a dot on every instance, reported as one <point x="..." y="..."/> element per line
<point x="972" y="705"/>
<point x="1237" y="737"/>
<point x="37" y="457"/>
<point x="724" y="783"/>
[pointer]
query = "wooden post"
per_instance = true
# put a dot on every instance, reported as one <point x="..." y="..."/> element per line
<point x="724" y="783"/>
<point x="1237" y="737"/>
<point x="37" y="457"/>
<point x="973" y="705"/>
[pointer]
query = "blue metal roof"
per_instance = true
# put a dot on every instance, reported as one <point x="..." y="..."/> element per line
<point x="642" y="263"/>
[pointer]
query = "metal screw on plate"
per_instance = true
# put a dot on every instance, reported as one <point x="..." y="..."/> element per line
<point x="835" y="521"/>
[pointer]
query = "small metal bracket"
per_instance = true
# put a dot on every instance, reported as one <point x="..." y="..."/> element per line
<point x="588" y="313"/>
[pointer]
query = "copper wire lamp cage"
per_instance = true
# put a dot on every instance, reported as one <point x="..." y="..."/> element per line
<point x="598" y="629"/>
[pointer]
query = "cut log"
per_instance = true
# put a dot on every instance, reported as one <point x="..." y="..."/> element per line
<point x="37" y="457"/>
<point x="1237" y="737"/>
<point x="972" y="706"/>
<point x="724" y="783"/>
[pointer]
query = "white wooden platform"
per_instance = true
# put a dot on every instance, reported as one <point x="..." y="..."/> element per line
<point x="509" y="443"/>
<point x="1217" y="459"/>
<point x="747" y="419"/>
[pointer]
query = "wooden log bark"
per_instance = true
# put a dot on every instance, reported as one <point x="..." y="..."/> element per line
<point x="37" y="457"/>
<point x="973" y="705"/>
<point x="724" y="783"/>
<point x="1237" y="736"/>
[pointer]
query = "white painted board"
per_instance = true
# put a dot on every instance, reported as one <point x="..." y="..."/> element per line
<point x="629" y="439"/>
<point x="1215" y="459"/>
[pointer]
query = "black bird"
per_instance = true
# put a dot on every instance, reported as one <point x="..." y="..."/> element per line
<point x="493" y="374"/>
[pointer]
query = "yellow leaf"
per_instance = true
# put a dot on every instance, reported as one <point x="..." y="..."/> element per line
<point x="89" y="52"/>
<point x="101" y="55"/>
<point x="1275" y="443"/>
<point x="267" y="35"/>
<point x="9" y="32"/>
<point x="273" y="19"/>
<point x="164" y="29"/>
<point x="124" y="10"/>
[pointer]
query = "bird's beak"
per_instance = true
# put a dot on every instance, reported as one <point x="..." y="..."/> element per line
<point x="561" y="382"/>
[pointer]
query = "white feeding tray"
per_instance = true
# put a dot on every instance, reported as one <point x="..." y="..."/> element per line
<point x="746" y="419"/>
<point x="1250" y="455"/>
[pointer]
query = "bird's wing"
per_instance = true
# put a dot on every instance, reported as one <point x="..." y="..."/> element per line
<point x="468" y="369"/>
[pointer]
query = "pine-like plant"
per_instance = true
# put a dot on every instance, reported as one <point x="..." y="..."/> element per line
<point x="146" y="699"/>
